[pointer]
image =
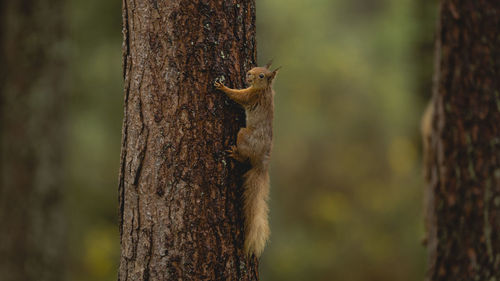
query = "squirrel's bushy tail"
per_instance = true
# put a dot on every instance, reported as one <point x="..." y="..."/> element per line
<point x="256" y="194"/>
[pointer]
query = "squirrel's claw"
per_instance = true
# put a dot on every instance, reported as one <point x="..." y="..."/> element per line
<point x="218" y="85"/>
<point x="233" y="153"/>
<point x="232" y="150"/>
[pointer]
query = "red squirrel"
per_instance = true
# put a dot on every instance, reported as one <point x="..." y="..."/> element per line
<point x="254" y="144"/>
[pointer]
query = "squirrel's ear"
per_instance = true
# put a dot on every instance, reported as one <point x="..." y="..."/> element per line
<point x="273" y="74"/>
<point x="269" y="64"/>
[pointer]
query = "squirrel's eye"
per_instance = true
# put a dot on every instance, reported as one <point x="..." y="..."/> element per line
<point x="261" y="75"/>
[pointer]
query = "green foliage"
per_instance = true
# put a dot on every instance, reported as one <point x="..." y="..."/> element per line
<point x="346" y="179"/>
<point x="346" y="176"/>
<point x="95" y="116"/>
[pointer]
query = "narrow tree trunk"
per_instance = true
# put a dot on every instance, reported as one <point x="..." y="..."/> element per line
<point x="464" y="241"/>
<point x="180" y="194"/>
<point x="32" y="68"/>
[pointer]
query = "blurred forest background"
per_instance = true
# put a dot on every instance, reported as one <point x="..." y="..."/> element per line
<point x="347" y="181"/>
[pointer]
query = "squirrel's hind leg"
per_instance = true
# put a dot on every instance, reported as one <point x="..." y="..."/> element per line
<point x="241" y="152"/>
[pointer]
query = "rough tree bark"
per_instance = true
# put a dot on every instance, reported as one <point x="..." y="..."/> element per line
<point x="464" y="240"/>
<point x="179" y="193"/>
<point x="31" y="93"/>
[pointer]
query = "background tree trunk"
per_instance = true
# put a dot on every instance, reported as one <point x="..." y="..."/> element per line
<point x="180" y="194"/>
<point x="32" y="63"/>
<point x="464" y="241"/>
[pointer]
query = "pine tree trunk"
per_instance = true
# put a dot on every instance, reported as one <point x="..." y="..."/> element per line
<point x="32" y="235"/>
<point x="180" y="194"/>
<point x="464" y="240"/>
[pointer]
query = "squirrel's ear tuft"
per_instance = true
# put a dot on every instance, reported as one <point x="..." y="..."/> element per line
<point x="269" y="64"/>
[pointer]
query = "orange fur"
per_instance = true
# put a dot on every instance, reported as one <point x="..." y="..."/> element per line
<point x="254" y="144"/>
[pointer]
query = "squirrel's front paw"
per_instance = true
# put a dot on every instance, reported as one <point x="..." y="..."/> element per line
<point x="218" y="85"/>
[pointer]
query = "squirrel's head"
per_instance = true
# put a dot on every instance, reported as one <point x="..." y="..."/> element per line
<point x="261" y="77"/>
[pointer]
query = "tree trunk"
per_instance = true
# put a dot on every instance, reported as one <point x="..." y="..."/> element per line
<point x="32" y="75"/>
<point x="464" y="240"/>
<point x="180" y="194"/>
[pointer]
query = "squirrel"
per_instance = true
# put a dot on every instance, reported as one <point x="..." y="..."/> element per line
<point x="254" y="144"/>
